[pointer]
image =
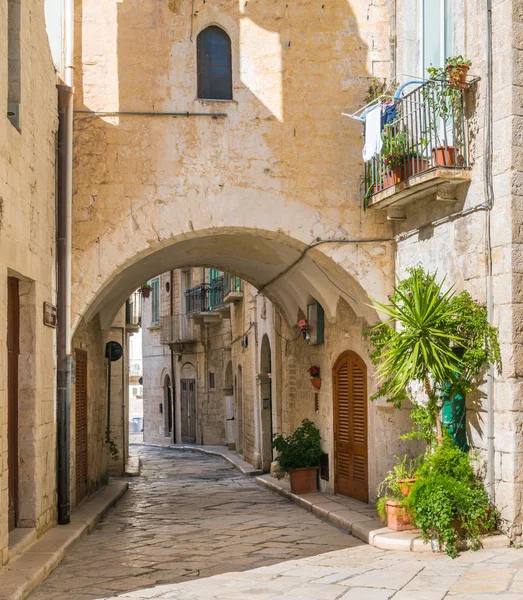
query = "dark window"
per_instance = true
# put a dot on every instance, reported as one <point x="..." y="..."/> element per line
<point x="214" y="65"/>
<point x="211" y="381"/>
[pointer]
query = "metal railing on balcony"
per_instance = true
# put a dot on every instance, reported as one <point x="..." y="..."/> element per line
<point x="205" y="297"/>
<point x="133" y="310"/>
<point x="176" y="329"/>
<point x="426" y="129"/>
<point x="231" y="283"/>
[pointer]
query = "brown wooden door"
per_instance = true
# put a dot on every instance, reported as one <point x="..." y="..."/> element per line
<point x="350" y="426"/>
<point x="81" y="424"/>
<point x="13" y="353"/>
<point x="188" y="406"/>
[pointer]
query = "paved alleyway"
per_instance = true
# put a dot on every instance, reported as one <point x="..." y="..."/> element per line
<point x="188" y="516"/>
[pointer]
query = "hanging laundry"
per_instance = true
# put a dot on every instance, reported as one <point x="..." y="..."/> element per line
<point x="389" y="114"/>
<point x="373" y="141"/>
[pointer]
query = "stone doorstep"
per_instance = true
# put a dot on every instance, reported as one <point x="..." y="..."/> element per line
<point x="23" y="574"/>
<point x="238" y="463"/>
<point x="354" y="516"/>
<point x="133" y="467"/>
<point x="20" y="539"/>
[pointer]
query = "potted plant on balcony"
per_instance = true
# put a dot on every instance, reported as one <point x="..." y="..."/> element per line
<point x="299" y="455"/>
<point x="444" y="97"/>
<point x="146" y="290"/>
<point x="401" y="159"/>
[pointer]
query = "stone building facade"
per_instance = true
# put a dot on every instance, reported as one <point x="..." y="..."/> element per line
<point x="268" y="183"/>
<point x="178" y="169"/>
<point x="28" y="126"/>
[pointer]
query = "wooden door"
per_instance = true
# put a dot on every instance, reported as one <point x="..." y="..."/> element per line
<point x="350" y="426"/>
<point x="13" y="353"/>
<point x="188" y="406"/>
<point x="81" y="424"/>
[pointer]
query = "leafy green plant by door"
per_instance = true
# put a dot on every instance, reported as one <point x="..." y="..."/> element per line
<point x="413" y="349"/>
<point x="299" y="450"/>
<point x="448" y="502"/>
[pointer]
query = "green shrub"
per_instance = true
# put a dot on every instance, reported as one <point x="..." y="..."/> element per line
<point x="300" y="449"/>
<point x="448" y="502"/>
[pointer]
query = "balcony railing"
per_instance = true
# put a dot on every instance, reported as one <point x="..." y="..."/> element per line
<point x="427" y="131"/>
<point x="231" y="283"/>
<point x="205" y="297"/>
<point x="176" y="329"/>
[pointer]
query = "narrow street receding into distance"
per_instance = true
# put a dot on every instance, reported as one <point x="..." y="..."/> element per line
<point x="188" y="516"/>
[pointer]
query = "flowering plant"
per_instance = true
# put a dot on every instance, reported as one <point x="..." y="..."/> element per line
<point x="303" y="324"/>
<point x="314" y="371"/>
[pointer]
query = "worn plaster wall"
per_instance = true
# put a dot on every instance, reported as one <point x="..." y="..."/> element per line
<point x="27" y="233"/>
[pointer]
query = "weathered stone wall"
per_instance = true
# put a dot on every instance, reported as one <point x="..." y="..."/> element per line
<point x="27" y="238"/>
<point x="91" y="339"/>
<point x="455" y="247"/>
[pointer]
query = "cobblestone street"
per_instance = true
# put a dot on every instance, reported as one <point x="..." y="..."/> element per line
<point x="188" y="516"/>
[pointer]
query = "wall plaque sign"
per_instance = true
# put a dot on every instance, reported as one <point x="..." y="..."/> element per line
<point x="50" y="314"/>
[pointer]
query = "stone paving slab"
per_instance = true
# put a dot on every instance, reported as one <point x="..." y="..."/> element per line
<point x="29" y="568"/>
<point x="232" y="458"/>
<point x="360" y="519"/>
<point x="190" y="515"/>
<point x="360" y="573"/>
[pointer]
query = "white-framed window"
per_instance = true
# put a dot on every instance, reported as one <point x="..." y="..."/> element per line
<point x="436" y="33"/>
<point x="155" y="301"/>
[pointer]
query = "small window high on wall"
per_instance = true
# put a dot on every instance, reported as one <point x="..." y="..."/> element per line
<point x="214" y="65"/>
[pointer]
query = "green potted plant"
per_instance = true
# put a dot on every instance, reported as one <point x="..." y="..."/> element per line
<point x="400" y="159"/>
<point x="299" y="455"/>
<point x="416" y="359"/>
<point x="448" y="502"/>
<point x="444" y="96"/>
<point x="391" y="494"/>
<point x="146" y="290"/>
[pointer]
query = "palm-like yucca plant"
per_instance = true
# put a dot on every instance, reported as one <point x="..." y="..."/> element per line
<point x="419" y="348"/>
<point x="419" y="340"/>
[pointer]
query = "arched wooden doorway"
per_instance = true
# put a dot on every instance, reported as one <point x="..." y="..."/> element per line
<point x="349" y="378"/>
<point x="266" y="398"/>
<point x="167" y="407"/>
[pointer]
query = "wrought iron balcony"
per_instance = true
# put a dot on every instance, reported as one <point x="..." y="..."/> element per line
<point x="176" y="329"/>
<point x="205" y="297"/>
<point x="232" y="288"/>
<point x="425" y="147"/>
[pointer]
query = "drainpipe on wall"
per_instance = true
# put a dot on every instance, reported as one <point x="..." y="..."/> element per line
<point x="63" y="359"/>
<point x="64" y="253"/>
<point x="489" y="200"/>
<point x="173" y="385"/>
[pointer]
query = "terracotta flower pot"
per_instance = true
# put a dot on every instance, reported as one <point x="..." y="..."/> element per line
<point x="406" y="485"/>
<point x="398" y="517"/>
<point x="393" y="176"/>
<point x="459" y="79"/>
<point x="444" y="156"/>
<point x="304" y="481"/>
<point x="316" y="382"/>
<point x="416" y="165"/>
<point x="146" y="292"/>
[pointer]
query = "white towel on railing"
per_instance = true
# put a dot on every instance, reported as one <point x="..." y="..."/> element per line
<point x="373" y="141"/>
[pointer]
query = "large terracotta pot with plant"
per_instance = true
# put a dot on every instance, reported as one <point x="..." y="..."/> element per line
<point x="392" y="492"/>
<point x="399" y="518"/>
<point x="299" y="455"/>
<point x="444" y="156"/>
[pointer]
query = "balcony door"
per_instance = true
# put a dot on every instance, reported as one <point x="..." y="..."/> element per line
<point x="188" y="406"/>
